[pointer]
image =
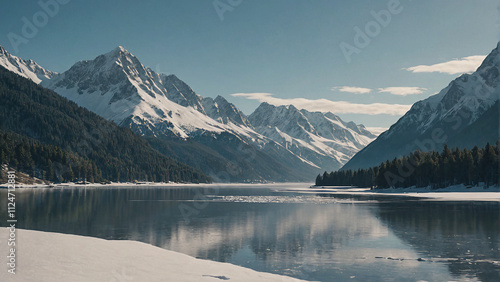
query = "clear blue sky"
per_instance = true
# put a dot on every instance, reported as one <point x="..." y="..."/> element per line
<point x="287" y="48"/>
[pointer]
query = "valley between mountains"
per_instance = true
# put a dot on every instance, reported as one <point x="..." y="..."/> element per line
<point x="274" y="143"/>
<point x="212" y="136"/>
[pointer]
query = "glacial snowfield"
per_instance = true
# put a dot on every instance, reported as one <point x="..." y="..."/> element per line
<point x="46" y="256"/>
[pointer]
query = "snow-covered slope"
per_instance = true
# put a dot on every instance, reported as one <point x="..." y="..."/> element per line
<point x="82" y="259"/>
<point x="452" y="116"/>
<point x="25" y="68"/>
<point x="119" y="88"/>
<point x="321" y="138"/>
<point x="223" y="111"/>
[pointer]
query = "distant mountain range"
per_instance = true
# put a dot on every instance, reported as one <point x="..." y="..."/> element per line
<point x="272" y="144"/>
<point x="464" y="114"/>
<point x="322" y="139"/>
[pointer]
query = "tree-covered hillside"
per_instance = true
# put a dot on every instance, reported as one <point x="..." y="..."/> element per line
<point x="44" y="162"/>
<point x="115" y="153"/>
<point x="422" y="169"/>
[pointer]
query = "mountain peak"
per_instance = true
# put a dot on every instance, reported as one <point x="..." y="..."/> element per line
<point x="25" y="68"/>
<point x="118" y="59"/>
<point x="266" y="106"/>
<point x="219" y="99"/>
<point x="467" y="105"/>
<point x="117" y="53"/>
<point x="171" y="77"/>
<point x="324" y="138"/>
<point x="120" y="50"/>
<point x="291" y="107"/>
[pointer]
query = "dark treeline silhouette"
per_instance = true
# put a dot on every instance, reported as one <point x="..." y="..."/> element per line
<point x="422" y="169"/>
<point x="78" y="137"/>
<point x="45" y="162"/>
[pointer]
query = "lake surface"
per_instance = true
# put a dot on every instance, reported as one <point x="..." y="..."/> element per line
<point x="267" y="228"/>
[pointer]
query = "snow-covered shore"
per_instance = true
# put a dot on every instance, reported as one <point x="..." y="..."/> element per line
<point x="452" y="193"/>
<point x="46" y="256"/>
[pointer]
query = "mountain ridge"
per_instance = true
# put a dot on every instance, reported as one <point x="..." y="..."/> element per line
<point x="116" y="86"/>
<point x="25" y="68"/>
<point x="442" y="118"/>
<point x="322" y="138"/>
<point x="37" y="113"/>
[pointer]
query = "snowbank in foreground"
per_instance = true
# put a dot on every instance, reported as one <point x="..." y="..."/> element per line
<point x="45" y="256"/>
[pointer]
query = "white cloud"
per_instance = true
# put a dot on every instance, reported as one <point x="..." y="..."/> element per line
<point x="377" y="130"/>
<point x="402" y="91"/>
<point x="463" y="65"/>
<point x="324" y="105"/>
<point x="352" y="89"/>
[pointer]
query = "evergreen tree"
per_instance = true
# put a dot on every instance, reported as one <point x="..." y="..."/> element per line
<point x="450" y="167"/>
<point x="41" y="126"/>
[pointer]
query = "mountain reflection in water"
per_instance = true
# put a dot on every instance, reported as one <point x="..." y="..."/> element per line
<point x="302" y="235"/>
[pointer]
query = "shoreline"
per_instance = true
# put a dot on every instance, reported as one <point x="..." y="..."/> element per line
<point x="82" y="258"/>
<point x="143" y="184"/>
<point x="96" y="185"/>
<point x="451" y="193"/>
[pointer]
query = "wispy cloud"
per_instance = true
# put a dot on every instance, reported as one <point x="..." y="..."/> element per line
<point x="324" y="105"/>
<point x="377" y="130"/>
<point x="463" y="65"/>
<point x="402" y="91"/>
<point x="352" y="89"/>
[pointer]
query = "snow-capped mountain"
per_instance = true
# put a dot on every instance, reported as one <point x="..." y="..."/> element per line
<point x="321" y="138"/>
<point x="25" y="68"/>
<point x="223" y="111"/>
<point x="118" y="87"/>
<point x="210" y="134"/>
<point x="463" y="114"/>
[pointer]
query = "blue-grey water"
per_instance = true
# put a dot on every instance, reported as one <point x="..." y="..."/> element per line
<point x="269" y="228"/>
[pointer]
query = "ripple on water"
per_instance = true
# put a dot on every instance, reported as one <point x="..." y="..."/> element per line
<point x="297" y="199"/>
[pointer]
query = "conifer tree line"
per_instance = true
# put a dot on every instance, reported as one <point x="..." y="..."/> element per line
<point x="423" y="169"/>
<point x="45" y="162"/>
<point x="37" y="123"/>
